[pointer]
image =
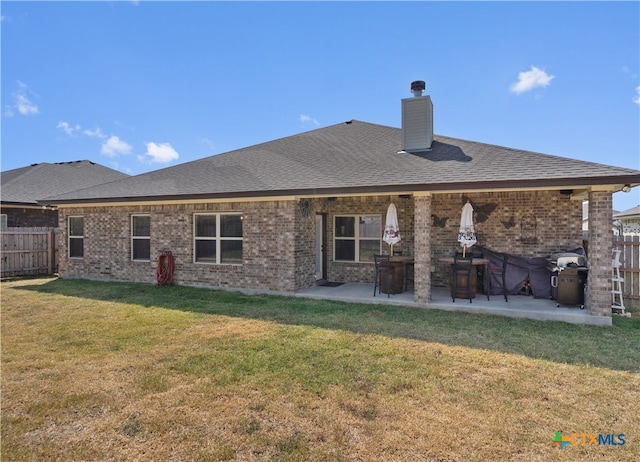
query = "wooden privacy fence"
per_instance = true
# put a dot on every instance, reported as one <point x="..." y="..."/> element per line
<point x="28" y="251"/>
<point x="630" y="271"/>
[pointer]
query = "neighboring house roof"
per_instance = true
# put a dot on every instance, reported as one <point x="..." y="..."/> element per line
<point x="27" y="185"/>
<point x="630" y="213"/>
<point x="353" y="158"/>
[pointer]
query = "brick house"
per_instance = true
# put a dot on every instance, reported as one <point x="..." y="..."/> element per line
<point x="278" y="216"/>
<point x="22" y="187"/>
<point x="628" y="221"/>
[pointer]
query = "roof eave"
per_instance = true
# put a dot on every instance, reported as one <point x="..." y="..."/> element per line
<point x="533" y="184"/>
<point x="19" y="204"/>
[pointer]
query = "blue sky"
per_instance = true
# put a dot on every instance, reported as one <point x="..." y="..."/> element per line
<point x="138" y="86"/>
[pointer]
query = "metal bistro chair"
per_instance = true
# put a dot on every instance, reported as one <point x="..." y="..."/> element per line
<point x="500" y="273"/>
<point x="462" y="266"/>
<point x="383" y="269"/>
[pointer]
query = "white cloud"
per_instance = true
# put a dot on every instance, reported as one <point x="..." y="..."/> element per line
<point x="97" y="133"/>
<point x="305" y="120"/>
<point x="24" y="106"/>
<point x="114" y="146"/>
<point x="68" y="129"/>
<point x="161" y="153"/>
<point x="531" y="79"/>
<point x="77" y="129"/>
<point x="21" y="102"/>
<point x="637" y="97"/>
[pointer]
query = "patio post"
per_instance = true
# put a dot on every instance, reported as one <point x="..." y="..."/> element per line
<point x="422" y="247"/>
<point x="598" y="300"/>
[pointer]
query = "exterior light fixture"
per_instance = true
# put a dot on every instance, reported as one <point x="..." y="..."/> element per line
<point x="626" y="188"/>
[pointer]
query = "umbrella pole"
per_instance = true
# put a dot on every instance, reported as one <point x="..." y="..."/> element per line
<point x="391" y="251"/>
<point x="464" y="251"/>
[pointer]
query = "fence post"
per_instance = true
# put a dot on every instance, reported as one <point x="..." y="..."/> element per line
<point x="51" y="251"/>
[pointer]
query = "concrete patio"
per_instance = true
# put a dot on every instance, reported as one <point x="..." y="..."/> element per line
<point x="518" y="306"/>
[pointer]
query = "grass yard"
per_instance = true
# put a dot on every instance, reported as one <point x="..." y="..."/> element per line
<point x="111" y="371"/>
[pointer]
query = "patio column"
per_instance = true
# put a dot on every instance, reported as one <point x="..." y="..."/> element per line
<point x="598" y="300"/>
<point x="422" y="248"/>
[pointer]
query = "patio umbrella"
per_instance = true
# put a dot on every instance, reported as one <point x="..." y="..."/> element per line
<point x="391" y="231"/>
<point x="467" y="234"/>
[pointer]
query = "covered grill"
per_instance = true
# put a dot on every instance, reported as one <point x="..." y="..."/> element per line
<point x="569" y="278"/>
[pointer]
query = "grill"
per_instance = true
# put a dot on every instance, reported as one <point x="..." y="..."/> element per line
<point x="569" y="278"/>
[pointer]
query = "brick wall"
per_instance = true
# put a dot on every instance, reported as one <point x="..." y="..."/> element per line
<point x="21" y="217"/>
<point x="423" y="242"/>
<point x="529" y="224"/>
<point x="269" y="231"/>
<point x="279" y="239"/>
<point x="370" y="205"/>
<point x="304" y="244"/>
<point x="600" y="246"/>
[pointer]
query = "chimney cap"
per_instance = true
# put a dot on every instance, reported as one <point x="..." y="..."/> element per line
<point x="418" y="86"/>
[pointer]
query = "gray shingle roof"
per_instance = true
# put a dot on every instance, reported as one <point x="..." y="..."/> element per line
<point x="353" y="157"/>
<point x="629" y="213"/>
<point x="26" y="185"/>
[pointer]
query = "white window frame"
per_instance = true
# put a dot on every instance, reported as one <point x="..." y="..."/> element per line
<point x="70" y="237"/>
<point x="218" y="239"/>
<point x="134" y="238"/>
<point x="357" y="238"/>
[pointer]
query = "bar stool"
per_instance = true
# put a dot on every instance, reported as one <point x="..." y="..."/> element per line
<point x="384" y="270"/>
<point x="617" y="303"/>
<point x="409" y="274"/>
<point x="500" y="272"/>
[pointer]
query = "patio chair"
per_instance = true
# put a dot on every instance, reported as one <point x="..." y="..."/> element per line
<point x="462" y="271"/>
<point x="384" y="271"/>
<point x="409" y="274"/>
<point x="500" y="273"/>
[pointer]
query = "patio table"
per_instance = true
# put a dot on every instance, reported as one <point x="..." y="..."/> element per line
<point x="399" y="263"/>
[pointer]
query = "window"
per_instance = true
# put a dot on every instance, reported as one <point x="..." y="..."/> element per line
<point x="357" y="237"/>
<point x="3" y="220"/>
<point x="76" y="237"/>
<point x="218" y="238"/>
<point x="141" y="237"/>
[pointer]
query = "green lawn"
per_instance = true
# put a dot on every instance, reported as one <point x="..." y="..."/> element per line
<point x="113" y="371"/>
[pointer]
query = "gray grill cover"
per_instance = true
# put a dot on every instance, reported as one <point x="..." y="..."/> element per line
<point x="521" y="269"/>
